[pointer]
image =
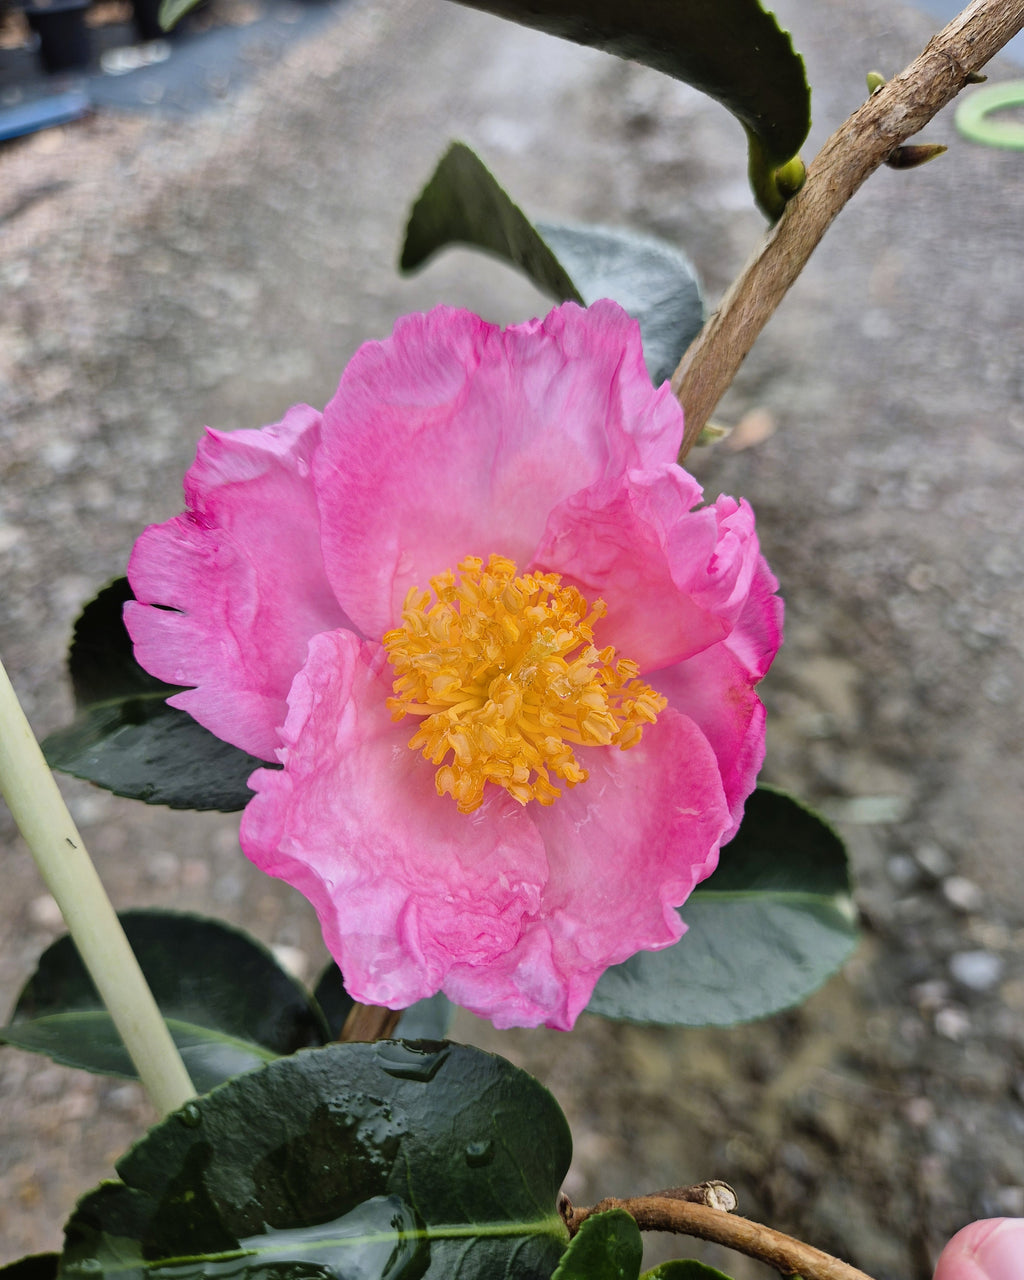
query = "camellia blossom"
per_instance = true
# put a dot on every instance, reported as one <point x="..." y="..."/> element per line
<point x="505" y="657"/>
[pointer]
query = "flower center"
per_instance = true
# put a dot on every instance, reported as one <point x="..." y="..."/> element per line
<point x="505" y="676"/>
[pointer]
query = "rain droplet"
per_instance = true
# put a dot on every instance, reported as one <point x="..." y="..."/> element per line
<point x="479" y="1153"/>
<point x="411" y="1060"/>
<point x="190" y="1115"/>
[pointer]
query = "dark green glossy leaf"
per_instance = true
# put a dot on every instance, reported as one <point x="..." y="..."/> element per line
<point x="773" y="922"/>
<point x="125" y="738"/>
<point x="732" y="50"/>
<point x="683" y="1269"/>
<point x="39" y="1266"/>
<point x="464" y="204"/>
<point x="607" y="1246"/>
<point x="427" y="1019"/>
<point x="228" y="1003"/>
<point x="650" y="279"/>
<point x="357" y="1161"/>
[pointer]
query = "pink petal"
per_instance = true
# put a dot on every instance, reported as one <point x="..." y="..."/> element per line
<point x="715" y="688"/>
<point x="456" y="438"/>
<point x="675" y="579"/>
<point x="231" y="591"/>
<point x="625" y="848"/>
<point x="404" y="885"/>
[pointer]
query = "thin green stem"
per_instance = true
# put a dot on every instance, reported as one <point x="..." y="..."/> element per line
<point x="28" y="786"/>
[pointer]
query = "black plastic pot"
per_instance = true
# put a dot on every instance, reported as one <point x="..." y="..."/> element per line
<point x="63" y="36"/>
<point x="145" y="16"/>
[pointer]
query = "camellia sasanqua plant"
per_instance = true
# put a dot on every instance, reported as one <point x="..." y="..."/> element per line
<point x="478" y="666"/>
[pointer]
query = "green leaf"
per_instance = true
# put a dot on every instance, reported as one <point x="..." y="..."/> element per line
<point x="229" y="1005"/>
<point x="683" y="1269"/>
<point x="464" y="204"/>
<point x="38" y="1266"/>
<point x="172" y="12"/>
<point x="363" y="1161"/>
<point x="649" y="278"/>
<point x="607" y="1246"/>
<point x="732" y="50"/>
<point x="126" y="738"/>
<point x="427" y="1019"/>
<point x="769" y="926"/>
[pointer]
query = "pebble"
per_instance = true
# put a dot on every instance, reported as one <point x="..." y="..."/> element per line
<point x="931" y="994"/>
<point x="953" y="1023"/>
<point x="292" y="960"/>
<point x="163" y="868"/>
<point x="933" y="859"/>
<point x="903" y="870"/>
<point x="962" y="893"/>
<point x="976" y="970"/>
<point x="44" y="912"/>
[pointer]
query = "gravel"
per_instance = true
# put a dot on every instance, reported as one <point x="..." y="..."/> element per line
<point x="163" y="273"/>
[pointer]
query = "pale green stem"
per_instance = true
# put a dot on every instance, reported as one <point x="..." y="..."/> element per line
<point x="39" y="810"/>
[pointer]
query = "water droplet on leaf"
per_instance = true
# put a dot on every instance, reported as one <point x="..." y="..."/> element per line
<point x="412" y="1059"/>
<point x="479" y="1153"/>
<point x="190" y="1115"/>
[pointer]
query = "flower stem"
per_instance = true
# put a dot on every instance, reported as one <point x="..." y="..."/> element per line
<point x="369" y="1022"/>
<point x="28" y="786"/>
<point x="858" y="147"/>
<point x="663" y="1212"/>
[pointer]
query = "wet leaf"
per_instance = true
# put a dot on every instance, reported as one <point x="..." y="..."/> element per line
<point x="389" y="1160"/>
<point x="765" y="930"/>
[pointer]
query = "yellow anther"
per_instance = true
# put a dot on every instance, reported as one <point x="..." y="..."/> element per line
<point x="504" y="675"/>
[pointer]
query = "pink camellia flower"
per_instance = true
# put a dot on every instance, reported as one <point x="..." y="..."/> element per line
<point x="505" y="657"/>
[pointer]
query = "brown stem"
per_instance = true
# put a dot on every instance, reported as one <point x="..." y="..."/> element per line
<point x="369" y="1022"/>
<point x="662" y="1213"/>
<point x="892" y="114"/>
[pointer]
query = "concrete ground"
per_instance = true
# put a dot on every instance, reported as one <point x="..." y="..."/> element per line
<point x="160" y="273"/>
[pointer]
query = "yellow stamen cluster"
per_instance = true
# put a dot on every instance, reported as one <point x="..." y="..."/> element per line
<point x="504" y="674"/>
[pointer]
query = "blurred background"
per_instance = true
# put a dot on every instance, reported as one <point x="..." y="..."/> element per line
<point x="214" y="246"/>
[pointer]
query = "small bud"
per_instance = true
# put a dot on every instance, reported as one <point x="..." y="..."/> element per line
<point x="915" y="154"/>
<point x="875" y="81"/>
<point x="714" y="1193"/>
<point x="711" y="433"/>
<point x="975" y="77"/>
<point x="791" y="177"/>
